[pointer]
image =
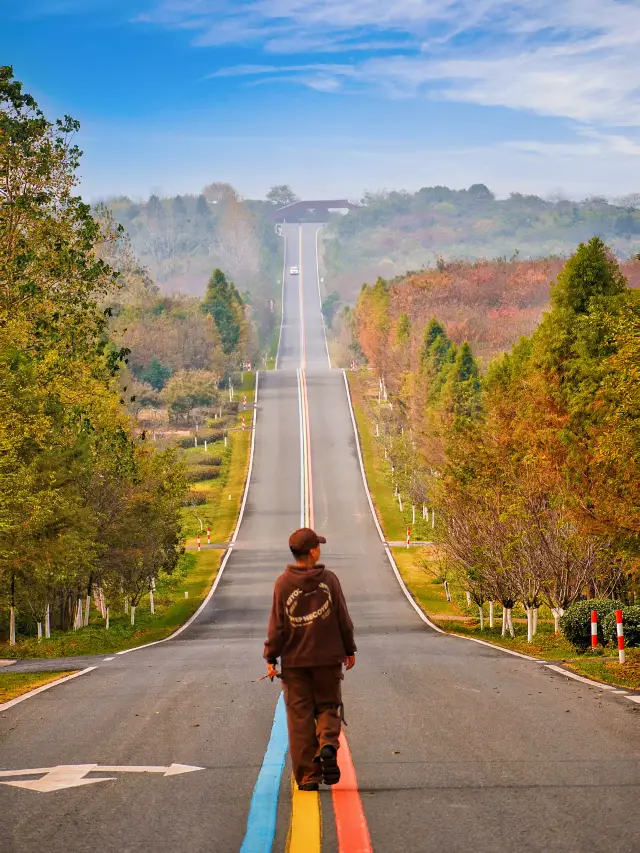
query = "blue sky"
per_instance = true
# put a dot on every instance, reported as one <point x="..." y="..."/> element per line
<point x="339" y="96"/>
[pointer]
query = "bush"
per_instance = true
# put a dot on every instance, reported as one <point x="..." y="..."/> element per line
<point x="209" y="436"/>
<point x="194" y="498"/>
<point x="575" y="623"/>
<point x="631" y="623"/>
<point x="202" y="472"/>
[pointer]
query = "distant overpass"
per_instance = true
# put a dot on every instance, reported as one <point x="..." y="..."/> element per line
<point x="311" y="211"/>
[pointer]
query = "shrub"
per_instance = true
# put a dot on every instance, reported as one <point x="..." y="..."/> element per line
<point x="194" y="498"/>
<point x="203" y="472"/>
<point x="209" y="436"/>
<point x="631" y="623"/>
<point x="575" y="623"/>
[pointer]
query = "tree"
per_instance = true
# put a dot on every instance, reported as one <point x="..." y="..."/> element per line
<point x="178" y="207"/>
<point x="189" y="390"/>
<point x="281" y="195"/>
<point x="223" y="302"/>
<point x="219" y="191"/>
<point x="156" y="374"/>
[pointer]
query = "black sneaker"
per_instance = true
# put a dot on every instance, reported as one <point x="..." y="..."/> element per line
<point x="309" y="786"/>
<point x="329" y="762"/>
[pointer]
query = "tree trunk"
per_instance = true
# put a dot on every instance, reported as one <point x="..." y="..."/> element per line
<point x="47" y="623"/>
<point x="529" y="611"/>
<point x="535" y="620"/>
<point x="133" y="614"/>
<point x="491" y="614"/>
<point x="12" y="614"/>
<point x="481" y="613"/>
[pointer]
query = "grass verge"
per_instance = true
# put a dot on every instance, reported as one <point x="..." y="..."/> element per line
<point x="194" y="575"/>
<point x="14" y="684"/>
<point x="421" y="571"/>
<point x="610" y="671"/>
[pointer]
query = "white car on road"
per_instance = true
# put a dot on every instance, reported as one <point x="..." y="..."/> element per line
<point x="294" y="271"/>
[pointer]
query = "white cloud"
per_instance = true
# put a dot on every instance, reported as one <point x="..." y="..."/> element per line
<point x="576" y="59"/>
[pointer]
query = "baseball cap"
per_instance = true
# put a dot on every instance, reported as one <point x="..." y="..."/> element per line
<point x="304" y="540"/>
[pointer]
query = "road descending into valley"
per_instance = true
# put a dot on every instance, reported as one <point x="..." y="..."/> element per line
<point x="453" y="746"/>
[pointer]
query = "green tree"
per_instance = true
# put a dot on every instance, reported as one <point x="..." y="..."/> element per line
<point x="156" y="374"/>
<point x="282" y="194"/>
<point x="223" y="302"/>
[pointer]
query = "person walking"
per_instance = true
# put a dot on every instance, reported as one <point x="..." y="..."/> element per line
<point x="310" y="630"/>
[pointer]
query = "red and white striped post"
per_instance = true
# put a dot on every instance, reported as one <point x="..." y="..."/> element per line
<point x="208" y="536"/>
<point x="244" y="402"/>
<point x="243" y="423"/>
<point x="620" y="633"/>
<point x="594" y="629"/>
<point x="198" y="541"/>
<point x="408" y="536"/>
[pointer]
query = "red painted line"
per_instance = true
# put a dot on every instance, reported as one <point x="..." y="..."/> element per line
<point x="351" y="824"/>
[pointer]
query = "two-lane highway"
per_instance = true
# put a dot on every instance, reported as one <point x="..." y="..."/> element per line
<point x="454" y="745"/>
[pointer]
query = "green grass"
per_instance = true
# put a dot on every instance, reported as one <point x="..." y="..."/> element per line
<point x="14" y="684"/>
<point x="419" y="570"/>
<point x="610" y="671"/>
<point x="220" y="513"/>
<point x="196" y="576"/>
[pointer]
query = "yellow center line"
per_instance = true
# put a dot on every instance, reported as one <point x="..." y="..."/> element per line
<point x="305" y="829"/>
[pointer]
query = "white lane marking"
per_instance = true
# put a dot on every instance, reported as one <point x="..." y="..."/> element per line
<point x="73" y="775"/>
<point x="303" y="334"/>
<point x="577" y="677"/>
<point x="634" y="699"/>
<point x="302" y="453"/>
<point x="6" y="705"/>
<point x="106" y="660"/>
<point x="324" y="328"/>
<point x="403" y="586"/>
<point x="619" y="692"/>
<point x="229" y="551"/>
<point x="284" y="272"/>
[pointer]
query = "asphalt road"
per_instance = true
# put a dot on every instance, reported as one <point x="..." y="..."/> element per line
<point x="456" y="746"/>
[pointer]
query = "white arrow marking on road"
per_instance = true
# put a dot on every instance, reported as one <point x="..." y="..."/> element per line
<point x="73" y="775"/>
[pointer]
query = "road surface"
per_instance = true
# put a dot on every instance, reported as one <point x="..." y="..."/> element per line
<point x="456" y="746"/>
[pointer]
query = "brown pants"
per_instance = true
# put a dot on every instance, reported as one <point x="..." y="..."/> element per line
<point x="313" y="696"/>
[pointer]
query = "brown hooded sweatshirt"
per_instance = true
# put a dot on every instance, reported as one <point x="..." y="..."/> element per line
<point x="309" y="623"/>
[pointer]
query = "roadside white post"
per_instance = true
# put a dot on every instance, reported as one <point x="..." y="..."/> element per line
<point x="39" y="630"/>
<point x="107" y="620"/>
<point x="47" y="623"/>
<point x="195" y="440"/>
<point x="133" y="614"/>
<point x="151" y="602"/>
<point x="491" y="614"/>
<point x="468" y="599"/>
<point x="413" y="512"/>
<point x="433" y="518"/>
<point x="205" y="445"/>
<point x="186" y="593"/>
<point x="225" y="439"/>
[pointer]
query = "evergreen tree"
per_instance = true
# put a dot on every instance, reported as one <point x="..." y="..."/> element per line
<point x="156" y="374"/>
<point x="202" y="207"/>
<point x="155" y="210"/>
<point x="178" y="207"/>
<point x="223" y="302"/>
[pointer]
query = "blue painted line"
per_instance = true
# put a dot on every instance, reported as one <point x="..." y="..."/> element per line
<point x="261" y="823"/>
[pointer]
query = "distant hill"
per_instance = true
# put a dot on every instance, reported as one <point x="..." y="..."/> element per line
<point x="398" y="231"/>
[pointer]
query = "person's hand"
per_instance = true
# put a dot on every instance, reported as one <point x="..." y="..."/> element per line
<point x="350" y="662"/>
<point x="272" y="671"/>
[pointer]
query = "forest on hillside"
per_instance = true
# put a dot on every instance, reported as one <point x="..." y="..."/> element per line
<point x="397" y="231"/>
<point x="180" y="239"/>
